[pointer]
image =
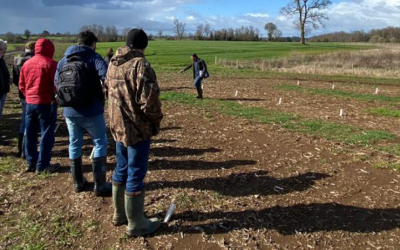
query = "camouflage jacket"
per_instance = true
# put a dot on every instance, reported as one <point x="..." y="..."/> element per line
<point x="133" y="97"/>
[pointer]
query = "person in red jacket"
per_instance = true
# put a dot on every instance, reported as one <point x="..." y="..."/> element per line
<point x="37" y="84"/>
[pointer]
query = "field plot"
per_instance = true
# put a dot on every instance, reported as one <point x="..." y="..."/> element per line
<point x="245" y="171"/>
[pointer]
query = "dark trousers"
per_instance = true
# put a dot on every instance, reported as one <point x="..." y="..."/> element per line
<point x="43" y="117"/>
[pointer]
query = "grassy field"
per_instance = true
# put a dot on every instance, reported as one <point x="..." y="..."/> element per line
<point x="163" y="53"/>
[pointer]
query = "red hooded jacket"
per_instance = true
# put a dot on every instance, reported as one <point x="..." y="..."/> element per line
<point x="37" y="75"/>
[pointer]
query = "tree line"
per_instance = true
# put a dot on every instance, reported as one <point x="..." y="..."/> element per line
<point x="385" y="35"/>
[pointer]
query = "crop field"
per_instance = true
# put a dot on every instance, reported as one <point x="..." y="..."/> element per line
<point x="268" y="160"/>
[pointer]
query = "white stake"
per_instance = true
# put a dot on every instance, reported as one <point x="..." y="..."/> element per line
<point x="202" y="86"/>
<point x="377" y="91"/>
<point x="280" y="101"/>
<point x="169" y="213"/>
<point x="236" y="94"/>
<point x="333" y="87"/>
<point x="341" y="113"/>
<point x="298" y="83"/>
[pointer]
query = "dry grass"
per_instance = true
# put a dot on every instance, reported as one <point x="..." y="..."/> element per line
<point x="382" y="61"/>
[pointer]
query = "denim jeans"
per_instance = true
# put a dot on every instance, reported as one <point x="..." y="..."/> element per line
<point x="95" y="126"/>
<point x="197" y="82"/>
<point x="132" y="165"/>
<point x="2" y="102"/>
<point x="22" y="125"/>
<point x="43" y="117"/>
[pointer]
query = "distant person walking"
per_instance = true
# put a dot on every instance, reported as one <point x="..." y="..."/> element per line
<point x="79" y="80"/>
<point x="18" y="63"/>
<point x="37" y="84"/>
<point x="5" y="79"/>
<point x="135" y="116"/>
<point x="199" y="73"/>
<point x="110" y="54"/>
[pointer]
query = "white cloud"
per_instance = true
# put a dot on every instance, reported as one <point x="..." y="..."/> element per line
<point x="257" y="15"/>
<point x="191" y="18"/>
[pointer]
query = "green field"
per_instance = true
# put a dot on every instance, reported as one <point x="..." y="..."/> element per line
<point x="165" y="54"/>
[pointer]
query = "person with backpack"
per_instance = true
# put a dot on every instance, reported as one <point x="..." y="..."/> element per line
<point x="37" y="85"/>
<point x="18" y="63"/>
<point x="110" y="54"/>
<point x="79" y="80"/>
<point x="135" y="116"/>
<point x="199" y="73"/>
<point x="5" y="79"/>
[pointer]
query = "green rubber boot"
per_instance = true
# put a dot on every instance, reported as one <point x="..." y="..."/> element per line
<point x="138" y="225"/>
<point x="118" y="191"/>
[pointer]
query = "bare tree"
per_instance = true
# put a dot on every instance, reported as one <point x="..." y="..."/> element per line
<point x="270" y="28"/>
<point x="179" y="28"/>
<point x="207" y="30"/>
<point x="160" y="34"/>
<point x="308" y="13"/>
<point x="199" y="32"/>
<point x="277" y="34"/>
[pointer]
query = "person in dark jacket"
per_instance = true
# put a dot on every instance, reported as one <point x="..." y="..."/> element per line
<point x="36" y="83"/>
<point x="5" y="79"/>
<point x="18" y="63"/>
<point x="110" y="54"/>
<point x="199" y="72"/>
<point x="89" y="118"/>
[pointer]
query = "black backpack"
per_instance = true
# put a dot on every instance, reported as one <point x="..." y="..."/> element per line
<point x="74" y="88"/>
<point x="206" y="75"/>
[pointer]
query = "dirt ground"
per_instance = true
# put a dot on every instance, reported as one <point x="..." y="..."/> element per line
<point x="237" y="184"/>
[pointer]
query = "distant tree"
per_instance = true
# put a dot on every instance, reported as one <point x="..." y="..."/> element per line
<point x="125" y="31"/>
<point x="382" y="40"/>
<point x="374" y="39"/>
<point x="394" y="40"/>
<point x="270" y="28"/>
<point x="179" y="28"/>
<point x="207" y="30"/>
<point x="306" y="13"/>
<point x="160" y="34"/>
<point x="199" y="32"/>
<point x="10" y="37"/>
<point x="45" y="33"/>
<point x="277" y="34"/>
<point x="27" y="34"/>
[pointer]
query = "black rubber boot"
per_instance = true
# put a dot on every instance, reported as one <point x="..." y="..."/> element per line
<point x="77" y="175"/>
<point x="199" y="92"/>
<point x="101" y="186"/>
<point x="138" y="225"/>
<point x="20" y="145"/>
<point x="31" y="168"/>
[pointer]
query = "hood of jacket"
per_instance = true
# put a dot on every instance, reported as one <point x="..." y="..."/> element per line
<point x="125" y="54"/>
<point x="45" y="48"/>
<point x="79" y="50"/>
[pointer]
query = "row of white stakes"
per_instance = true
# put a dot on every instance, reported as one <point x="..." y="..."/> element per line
<point x="341" y="113"/>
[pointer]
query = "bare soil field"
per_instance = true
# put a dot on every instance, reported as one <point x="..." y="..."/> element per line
<point x="237" y="183"/>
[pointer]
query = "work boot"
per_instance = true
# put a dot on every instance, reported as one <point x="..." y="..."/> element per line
<point x="77" y="175"/>
<point x="199" y="92"/>
<point x="118" y="191"/>
<point x="138" y="225"/>
<point x="49" y="170"/>
<point x="101" y="186"/>
<point x="20" y="145"/>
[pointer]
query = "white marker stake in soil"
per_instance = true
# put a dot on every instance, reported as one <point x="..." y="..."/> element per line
<point x="280" y="101"/>
<point x="202" y="86"/>
<point x="333" y="87"/>
<point x="377" y="91"/>
<point x="298" y="83"/>
<point x="341" y="113"/>
<point x="169" y="213"/>
<point x="236" y="94"/>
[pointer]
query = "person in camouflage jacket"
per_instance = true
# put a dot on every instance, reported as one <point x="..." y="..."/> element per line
<point x="135" y="116"/>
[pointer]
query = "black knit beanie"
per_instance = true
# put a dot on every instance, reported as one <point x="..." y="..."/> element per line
<point x="137" y="39"/>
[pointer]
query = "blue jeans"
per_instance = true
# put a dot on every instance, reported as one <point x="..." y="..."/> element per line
<point x="22" y="125"/>
<point x="197" y="82"/>
<point x="95" y="126"/>
<point x="2" y="102"/>
<point x="132" y="165"/>
<point x="43" y="117"/>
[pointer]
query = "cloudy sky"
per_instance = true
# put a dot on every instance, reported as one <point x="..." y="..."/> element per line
<point x="155" y="15"/>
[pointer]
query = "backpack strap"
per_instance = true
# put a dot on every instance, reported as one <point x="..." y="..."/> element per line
<point x="74" y="58"/>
